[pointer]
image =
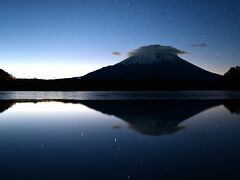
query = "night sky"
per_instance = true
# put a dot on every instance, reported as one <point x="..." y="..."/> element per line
<point x="66" y="38"/>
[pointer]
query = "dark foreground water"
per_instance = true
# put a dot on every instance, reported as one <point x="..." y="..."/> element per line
<point x="127" y="139"/>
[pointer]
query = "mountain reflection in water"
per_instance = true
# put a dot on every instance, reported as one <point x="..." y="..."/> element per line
<point x="5" y="105"/>
<point x="152" y="117"/>
<point x="147" y="117"/>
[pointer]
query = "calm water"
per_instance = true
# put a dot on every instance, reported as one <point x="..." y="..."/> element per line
<point x="118" y="95"/>
<point x="143" y="139"/>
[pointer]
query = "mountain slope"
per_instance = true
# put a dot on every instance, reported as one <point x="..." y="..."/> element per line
<point x="233" y="73"/>
<point x="5" y="76"/>
<point x="153" y="64"/>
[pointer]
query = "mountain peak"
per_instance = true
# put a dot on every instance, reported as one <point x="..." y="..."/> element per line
<point x="153" y="54"/>
<point x="148" y="59"/>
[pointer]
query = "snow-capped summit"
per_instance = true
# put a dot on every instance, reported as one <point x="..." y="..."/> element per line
<point x="153" y="54"/>
<point x="148" y="59"/>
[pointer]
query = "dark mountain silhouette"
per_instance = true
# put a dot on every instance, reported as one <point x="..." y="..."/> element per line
<point x="154" y="63"/>
<point x="5" y="76"/>
<point x="233" y="73"/>
<point x="152" y="117"/>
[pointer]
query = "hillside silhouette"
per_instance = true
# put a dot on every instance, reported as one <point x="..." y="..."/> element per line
<point x="233" y="74"/>
<point x="4" y="76"/>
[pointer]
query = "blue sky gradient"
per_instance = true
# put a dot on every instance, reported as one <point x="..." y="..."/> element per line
<point x="65" y="38"/>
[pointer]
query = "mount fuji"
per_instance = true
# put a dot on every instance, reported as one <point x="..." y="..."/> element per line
<point x="154" y="63"/>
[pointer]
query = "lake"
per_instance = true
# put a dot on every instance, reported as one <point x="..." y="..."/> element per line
<point x="120" y="135"/>
<point x="117" y="95"/>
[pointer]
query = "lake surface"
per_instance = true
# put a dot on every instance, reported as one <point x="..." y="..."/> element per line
<point x="117" y="95"/>
<point x="63" y="136"/>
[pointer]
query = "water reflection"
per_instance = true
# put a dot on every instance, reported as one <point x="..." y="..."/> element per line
<point x="146" y="117"/>
<point x="68" y="139"/>
<point x="233" y="106"/>
<point x="152" y="117"/>
<point x="5" y="105"/>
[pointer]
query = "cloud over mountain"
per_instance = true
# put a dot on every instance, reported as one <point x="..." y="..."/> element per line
<point x="156" y="49"/>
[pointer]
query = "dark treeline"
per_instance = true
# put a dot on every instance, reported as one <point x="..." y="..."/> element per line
<point x="82" y="85"/>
